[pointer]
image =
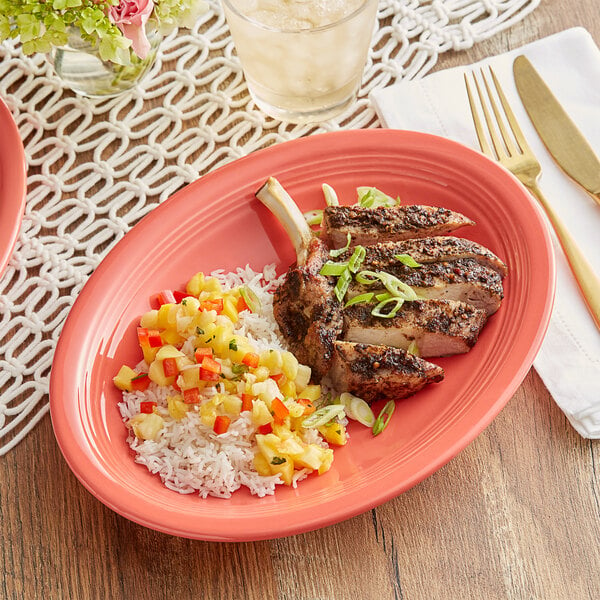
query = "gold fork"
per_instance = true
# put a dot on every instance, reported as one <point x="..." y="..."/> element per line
<point x="520" y="160"/>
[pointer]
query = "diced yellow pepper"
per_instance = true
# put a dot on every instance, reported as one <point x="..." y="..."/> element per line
<point x="123" y="378"/>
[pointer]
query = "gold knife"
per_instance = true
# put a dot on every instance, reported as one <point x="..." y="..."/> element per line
<point x="561" y="136"/>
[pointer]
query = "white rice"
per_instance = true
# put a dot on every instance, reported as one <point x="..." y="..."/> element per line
<point x="190" y="457"/>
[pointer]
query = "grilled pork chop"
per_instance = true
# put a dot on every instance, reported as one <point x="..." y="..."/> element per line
<point x="308" y="313"/>
<point x="375" y="372"/>
<point x="464" y="279"/>
<point x="382" y="224"/>
<point x="438" y="327"/>
<point x="427" y="250"/>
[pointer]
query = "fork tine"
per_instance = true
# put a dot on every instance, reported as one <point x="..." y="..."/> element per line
<point x="508" y="142"/>
<point x="514" y="125"/>
<point x="483" y="143"/>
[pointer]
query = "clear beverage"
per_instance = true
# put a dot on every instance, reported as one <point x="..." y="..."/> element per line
<point x="303" y="59"/>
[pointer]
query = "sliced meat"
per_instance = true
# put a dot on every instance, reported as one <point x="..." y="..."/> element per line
<point x="308" y="313"/>
<point x="382" y="224"/>
<point x="464" y="279"/>
<point x="377" y="372"/>
<point x="432" y="249"/>
<point x="437" y="327"/>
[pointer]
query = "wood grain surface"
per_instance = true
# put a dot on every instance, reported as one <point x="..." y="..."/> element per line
<point x="516" y="515"/>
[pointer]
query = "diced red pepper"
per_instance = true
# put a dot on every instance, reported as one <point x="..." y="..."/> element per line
<point x="179" y="296"/>
<point x="147" y="407"/>
<point x="251" y="359"/>
<point x="154" y="338"/>
<point x="200" y="353"/>
<point x="208" y="375"/>
<point x="221" y="424"/>
<point x="142" y="334"/>
<point x="309" y="407"/>
<point x="241" y="305"/>
<point x="213" y="304"/>
<point x="264" y="429"/>
<point x="191" y="396"/>
<point x="210" y="364"/>
<point x="166" y="297"/>
<point x="140" y="383"/>
<point x="277" y="378"/>
<point x="170" y="367"/>
<point x="174" y="384"/>
<point x="280" y="410"/>
<point x="247" y="401"/>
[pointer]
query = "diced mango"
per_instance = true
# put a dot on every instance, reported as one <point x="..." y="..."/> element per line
<point x="150" y="319"/>
<point x="230" y="309"/>
<point x="146" y="426"/>
<point x="334" y="433"/>
<point x="311" y="392"/>
<point x="261" y="465"/>
<point x="260" y="413"/>
<point x="123" y="378"/>
<point x="177" y="407"/>
<point x="289" y="365"/>
<point x="149" y="353"/>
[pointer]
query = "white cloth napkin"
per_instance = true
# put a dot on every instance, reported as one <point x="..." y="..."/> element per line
<point x="569" y="62"/>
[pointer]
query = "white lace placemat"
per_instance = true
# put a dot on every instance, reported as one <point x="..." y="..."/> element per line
<point x="96" y="167"/>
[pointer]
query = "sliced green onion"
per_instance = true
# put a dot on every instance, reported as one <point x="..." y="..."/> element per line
<point x="333" y="269"/>
<point x="323" y="415"/>
<point x="408" y="260"/>
<point x="357" y="258"/>
<point x="370" y="197"/>
<point x="381" y="422"/>
<point x="357" y="409"/>
<point x="378" y="310"/>
<point x="314" y="217"/>
<point x="331" y="198"/>
<point x="250" y="298"/>
<point x="413" y="349"/>
<point x="340" y="251"/>
<point x="367" y="277"/>
<point x="140" y="376"/>
<point x="383" y="296"/>
<point x="342" y="285"/>
<point x="359" y="299"/>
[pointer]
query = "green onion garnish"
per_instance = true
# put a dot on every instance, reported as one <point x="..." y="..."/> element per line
<point x="238" y="368"/>
<point x="323" y="415"/>
<point x="370" y="197"/>
<point x="378" y="310"/>
<point x="342" y="285"/>
<point x="334" y="269"/>
<point x="340" y="251"/>
<point x="331" y="198"/>
<point x="359" y="299"/>
<point x="140" y="376"/>
<point x="381" y="422"/>
<point x="357" y="258"/>
<point x="250" y="298"/>
<point x="314" y="217"/>
<point x="408" y="260"/>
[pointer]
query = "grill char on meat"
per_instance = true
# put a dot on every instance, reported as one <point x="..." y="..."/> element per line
<point x="308" y="313"/>
<point x="432" y="249"/>
<point x="383" y="224"/>
<point x="438" y="327"/>
<point x="464" y="279"/>
<point x="376" y="372"/>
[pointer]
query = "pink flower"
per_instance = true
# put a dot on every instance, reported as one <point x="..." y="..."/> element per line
<point x="131" y="16"/>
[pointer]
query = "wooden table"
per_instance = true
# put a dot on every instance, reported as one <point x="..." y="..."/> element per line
<point x="515" y="515"/>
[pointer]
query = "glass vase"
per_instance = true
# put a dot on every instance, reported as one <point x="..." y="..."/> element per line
<point x="79" y="65"/>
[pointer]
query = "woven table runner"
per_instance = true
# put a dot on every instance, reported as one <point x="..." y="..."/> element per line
<point x="96" y="167"/>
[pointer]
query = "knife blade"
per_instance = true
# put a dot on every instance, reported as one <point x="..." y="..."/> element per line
<point x="564" y="140"/>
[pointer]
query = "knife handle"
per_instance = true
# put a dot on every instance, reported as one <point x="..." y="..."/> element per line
<point x="588" y="282"/>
